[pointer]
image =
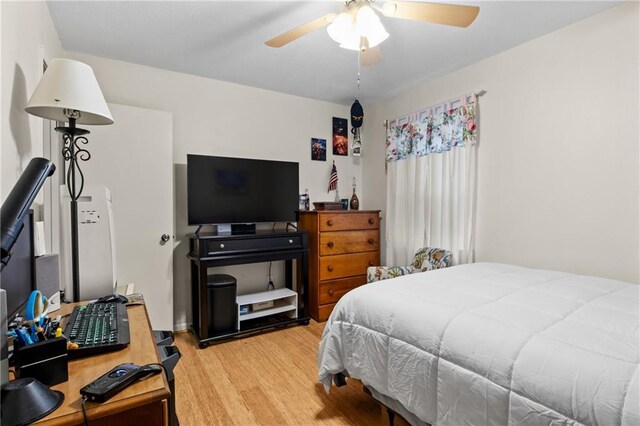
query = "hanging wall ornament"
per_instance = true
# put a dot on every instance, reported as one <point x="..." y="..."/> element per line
<point x="357" y="115"/>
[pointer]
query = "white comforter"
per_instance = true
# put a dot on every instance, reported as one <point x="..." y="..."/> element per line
<point x="493" y="344"/>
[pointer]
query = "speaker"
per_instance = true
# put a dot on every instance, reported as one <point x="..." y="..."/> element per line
<point x="48" y="279"/>
<point x="4" y="349"/>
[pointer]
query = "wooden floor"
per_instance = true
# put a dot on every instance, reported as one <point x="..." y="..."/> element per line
<point x="266" y="379"/>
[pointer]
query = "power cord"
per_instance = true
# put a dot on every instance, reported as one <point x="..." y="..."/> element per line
<point x="159" y="364"/>
<point x="270" y="286"/>
<point x="83" y="400"/>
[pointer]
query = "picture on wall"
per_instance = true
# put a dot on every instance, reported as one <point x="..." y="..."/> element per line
<point x="318" y="149"/>
<point x="340" y="136"/>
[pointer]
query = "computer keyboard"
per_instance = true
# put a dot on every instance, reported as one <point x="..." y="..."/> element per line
<point x="97" y="328"/>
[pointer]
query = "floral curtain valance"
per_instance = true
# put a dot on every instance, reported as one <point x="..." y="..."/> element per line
<point x="433" y="130"/>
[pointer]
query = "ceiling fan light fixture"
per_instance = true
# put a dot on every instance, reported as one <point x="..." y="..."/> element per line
<point x="369" y="26"/>
<point x="340" y="29"/>
<point x="366" y="19"/>
<point x="358" y="30"/>
<point x="377" y="35"/>
<point x="354" y="42"/>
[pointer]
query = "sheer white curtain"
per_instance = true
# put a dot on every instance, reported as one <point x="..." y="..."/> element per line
<point x="431" y="182"/>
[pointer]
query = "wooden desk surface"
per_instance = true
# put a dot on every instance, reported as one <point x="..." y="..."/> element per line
<point x="142" y="350"/>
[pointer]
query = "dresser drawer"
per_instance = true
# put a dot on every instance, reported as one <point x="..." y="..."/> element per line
<point x="220" y="246"/>
<point x="349" y="242"/>
<point x="347" y="265"/>
<point x="332" y="291"/>
<point x="349" y="221"/>
<point x="324" y="311"/>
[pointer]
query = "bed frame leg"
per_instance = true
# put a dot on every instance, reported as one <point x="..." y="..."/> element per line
<point x="392" y="416"/>
<point x="339" y="379"/>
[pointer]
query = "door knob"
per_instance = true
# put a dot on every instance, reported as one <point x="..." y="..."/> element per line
<point x="165" y="238"/>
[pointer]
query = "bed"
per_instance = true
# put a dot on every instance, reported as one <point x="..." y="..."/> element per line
<point x="491" y="344"/>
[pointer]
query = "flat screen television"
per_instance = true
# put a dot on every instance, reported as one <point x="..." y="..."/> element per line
<point x="226" y="190"/>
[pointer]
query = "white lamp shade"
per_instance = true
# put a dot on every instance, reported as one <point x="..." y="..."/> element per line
<point x="352" y="42"/>
<point x="71" y="85"/>
<point x="377" y="37"/>
<point x="339" y="29"/>
<point x="369" y="26"/>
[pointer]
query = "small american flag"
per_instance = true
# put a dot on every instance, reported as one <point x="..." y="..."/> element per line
<point x="333" y="179"/>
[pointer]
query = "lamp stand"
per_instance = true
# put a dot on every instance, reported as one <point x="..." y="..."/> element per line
<point x="72" y="152"/>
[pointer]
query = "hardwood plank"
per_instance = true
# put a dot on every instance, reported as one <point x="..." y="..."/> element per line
<point x="269" y="378"/>
<point x="265" y="411"/>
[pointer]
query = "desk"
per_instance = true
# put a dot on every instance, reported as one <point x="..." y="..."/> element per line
<point x="142" y="403"/>
<point x="213" y="250"/>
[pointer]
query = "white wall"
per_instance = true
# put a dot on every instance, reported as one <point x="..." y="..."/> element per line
<point x="27" y="35"/>
<point x="559" y="147"/>
<point x="217" y="118"/>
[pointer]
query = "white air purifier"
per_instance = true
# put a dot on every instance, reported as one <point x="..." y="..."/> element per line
<point x="96" y="243"/>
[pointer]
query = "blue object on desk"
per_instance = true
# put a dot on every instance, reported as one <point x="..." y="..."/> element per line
<point x="37" y="308"/>
<point x="24" y="336"/>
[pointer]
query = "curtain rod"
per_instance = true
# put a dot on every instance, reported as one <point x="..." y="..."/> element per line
<point x="476" y="93"/>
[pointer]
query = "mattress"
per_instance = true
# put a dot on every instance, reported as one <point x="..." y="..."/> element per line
<point x="492" y="344"/>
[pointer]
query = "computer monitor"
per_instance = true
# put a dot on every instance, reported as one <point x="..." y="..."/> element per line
<point x="18" y="277"/>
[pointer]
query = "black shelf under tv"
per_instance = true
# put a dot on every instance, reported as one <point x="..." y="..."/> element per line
<point x="213" y="250"/>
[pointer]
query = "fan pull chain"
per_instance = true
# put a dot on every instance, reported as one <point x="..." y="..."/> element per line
<point x="358" y="76"/>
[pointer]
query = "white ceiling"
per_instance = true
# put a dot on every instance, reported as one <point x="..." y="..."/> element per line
<point x="224" y="40"/>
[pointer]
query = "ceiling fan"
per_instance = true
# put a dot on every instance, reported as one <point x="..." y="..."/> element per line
<point x="359" y="27"/>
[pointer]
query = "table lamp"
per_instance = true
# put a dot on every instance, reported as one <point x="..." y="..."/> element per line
<point x="69" y="92"/>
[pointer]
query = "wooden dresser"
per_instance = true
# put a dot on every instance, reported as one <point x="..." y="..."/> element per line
<point x="342" y="244"/>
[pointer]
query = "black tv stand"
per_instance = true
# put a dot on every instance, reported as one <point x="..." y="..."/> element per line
<point x="213" y="250"/>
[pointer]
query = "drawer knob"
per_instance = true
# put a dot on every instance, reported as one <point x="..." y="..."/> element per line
<point x="371" y="221"/>
<point x="330" y="292"/>
<point x="290" y="241"/>
<point x="330" y="222"/>
<point x="221" y="246"/>
<point x="329" y="268"/>
<point x="330" y="244"/>
<point x="371" y="263"/>
<point x="371" y="241"/>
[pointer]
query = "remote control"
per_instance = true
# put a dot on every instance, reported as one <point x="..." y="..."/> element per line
<point x="106" y="386"/>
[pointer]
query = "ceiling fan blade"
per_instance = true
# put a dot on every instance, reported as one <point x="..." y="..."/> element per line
<point x="370" y="56"/>
<point x="437" y="13"/>
<point x="297" y="32"/>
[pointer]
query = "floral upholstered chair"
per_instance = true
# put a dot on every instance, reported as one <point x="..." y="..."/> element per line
<point x="426" y="259"/>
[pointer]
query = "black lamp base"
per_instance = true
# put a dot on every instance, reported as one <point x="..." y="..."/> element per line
<point x="26" y="400"/>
